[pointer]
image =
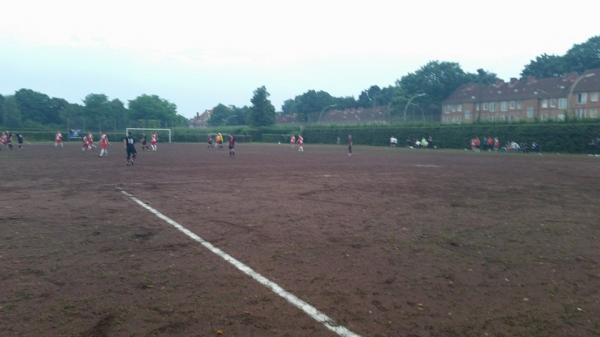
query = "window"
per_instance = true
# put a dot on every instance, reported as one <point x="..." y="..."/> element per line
<point x="519" y="106"/>
<point x="594" y="96"/>
<point x="486" y="106"/>
<point x="468" y="115"/>
<point x="503" y="106"/>
<point x="580" y="113"/>
<point x="459" y="108"/>
<point x="582" y="97"/>
<point x="530" y="112"/>
<point x="562" y="103"/>
<point x="492" y="107"/>
<point x="544" y="103"/>
<point x="512" y="105"/>
<point x="477" y="106"/>
<point x="593" y="113"/>
<point x="553" y="102"/>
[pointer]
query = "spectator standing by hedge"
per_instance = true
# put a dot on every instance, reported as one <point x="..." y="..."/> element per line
<point x="349" y="145"/>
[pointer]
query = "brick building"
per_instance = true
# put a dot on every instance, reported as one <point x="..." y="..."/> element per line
<point x="527" y="99"/>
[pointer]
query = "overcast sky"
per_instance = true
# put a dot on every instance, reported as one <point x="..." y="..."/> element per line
<point x="198" y="54"/>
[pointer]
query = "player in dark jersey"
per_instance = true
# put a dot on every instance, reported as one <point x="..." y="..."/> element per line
<point x="20" y="139"/>
<point x="231" y="145"/>
<point x="349" y="145"/>
<point x="129" y="143"/>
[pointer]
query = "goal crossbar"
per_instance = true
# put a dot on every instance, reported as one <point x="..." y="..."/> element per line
<point x="148" y="129"/>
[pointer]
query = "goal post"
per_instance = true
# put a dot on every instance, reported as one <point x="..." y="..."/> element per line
<point x="149" y="130"/>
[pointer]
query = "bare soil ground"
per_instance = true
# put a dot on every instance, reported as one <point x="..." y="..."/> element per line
<point x="389" y="242"/>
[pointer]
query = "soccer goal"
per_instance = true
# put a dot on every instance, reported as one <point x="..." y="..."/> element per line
<point x="149" y="131"/>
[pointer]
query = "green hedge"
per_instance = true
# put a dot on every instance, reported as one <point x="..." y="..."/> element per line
<point x="552" y="137"/>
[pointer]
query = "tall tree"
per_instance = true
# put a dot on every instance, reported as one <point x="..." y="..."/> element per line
<point x="545" y="66"/>
<point x="36" y="107"/>
<point x="119" y="114"/>
<point x="97" y="112"/>
<point x="152" y="107"/>
<point x="437" y="80"/>
<point x="262" y="111"/>
<point x="483" y="77"/>
<point x="219" y="115"/>
<point x="583" y="56"/>
<point x="1" y="110"/>
<point x="12" y="114"/>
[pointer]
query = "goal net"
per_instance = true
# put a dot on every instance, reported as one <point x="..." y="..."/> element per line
<point x="138" y="132"/>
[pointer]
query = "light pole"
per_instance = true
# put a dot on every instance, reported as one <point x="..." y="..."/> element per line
<point x="409" y="101"/>
<point x="573" y="88"/>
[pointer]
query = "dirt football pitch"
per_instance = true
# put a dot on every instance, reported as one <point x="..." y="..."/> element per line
<point x="388" y="242"/>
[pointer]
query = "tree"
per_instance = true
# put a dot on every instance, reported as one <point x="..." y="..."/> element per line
<point x="483" y="77"/>
<point x="1" y="110"/>
<point x="219" y="114"/>
<point x="119" y="114"/>
<point x="97" y="111"/>
<point x="12" y="114"/>
<point x="152" y="107"/>
<point x="262" y="111"/>
<point x="289" y="107"/>
<point x="437" y="80"/>
<point x="37" y="107"/>
<point x="545" y="66"/>
<point x="583" y="56"/>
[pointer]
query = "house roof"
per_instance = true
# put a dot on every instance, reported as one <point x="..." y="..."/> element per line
<point x="590" y="81"/>
<point x="526" y="88"/>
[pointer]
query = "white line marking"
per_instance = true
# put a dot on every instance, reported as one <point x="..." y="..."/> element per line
<point x="311" y="311"/>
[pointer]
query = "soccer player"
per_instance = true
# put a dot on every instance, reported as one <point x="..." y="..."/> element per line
<point x="129" y="143"/>
<point x="9" y="140"/>
<point x="219" y="139"/>
<point x="20" y="139"/>
<point x="2" y="140"/>
<point x="231" y="145"/>
<point x="349" y="145"/>
<point x="58" y="139"/>
<point x="144" y="143"/>
<point x="293" y="140"/>
<point x="211" y="144"/>
<point x="154" y="141"/>
<point x="91" y="141"/>
<point x="103" y="145"/>
<point x="300" y="143"/>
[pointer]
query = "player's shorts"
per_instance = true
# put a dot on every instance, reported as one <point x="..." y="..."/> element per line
<point x="131" y="152"/>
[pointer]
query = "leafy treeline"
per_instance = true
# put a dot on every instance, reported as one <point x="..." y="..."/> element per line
<point x="262" y="112"/>
<point x="579" y="58"/>
<point x="418" y="95"/>
<point x="31" y="109"/>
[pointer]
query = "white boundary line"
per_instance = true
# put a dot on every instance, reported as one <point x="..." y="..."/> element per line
<point x="291" y="298"/>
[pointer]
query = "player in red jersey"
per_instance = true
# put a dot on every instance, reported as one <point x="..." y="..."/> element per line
<point x="154" y="141"/>
<point x="103" y="145"/>
<point x="300" y="142"/>
<point x="3" y="139"/>
<point x="293" y="140"/>
<point x="91" y="141"/>
<point x="58" y="139"/>
<point x="86" y="143"/>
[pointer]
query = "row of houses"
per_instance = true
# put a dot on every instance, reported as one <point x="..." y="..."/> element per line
<point x="573" y="96"/>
